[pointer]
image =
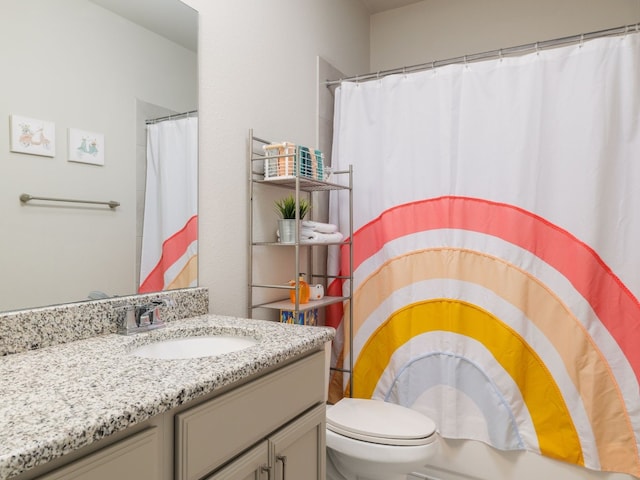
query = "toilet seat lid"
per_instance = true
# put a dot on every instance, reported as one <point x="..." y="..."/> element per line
<point x="380" y="422"/>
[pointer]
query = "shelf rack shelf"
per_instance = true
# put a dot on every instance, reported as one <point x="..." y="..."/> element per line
<point x="300" y="185"/>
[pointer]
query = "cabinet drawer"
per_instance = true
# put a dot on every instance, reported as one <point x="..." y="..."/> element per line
<point x="214" y="432"/>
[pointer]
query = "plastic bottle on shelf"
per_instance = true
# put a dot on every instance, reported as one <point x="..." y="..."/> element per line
<point x="303" y="289"/>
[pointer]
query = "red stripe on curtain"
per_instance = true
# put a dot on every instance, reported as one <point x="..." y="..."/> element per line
<point x="616" y="307"/>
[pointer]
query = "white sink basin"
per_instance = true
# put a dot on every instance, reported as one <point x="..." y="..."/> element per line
<point x="193" y="347"/>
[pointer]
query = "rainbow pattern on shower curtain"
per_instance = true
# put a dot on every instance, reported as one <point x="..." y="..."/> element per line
<point x="170" y="232"/>
<point x="496" y="267"/>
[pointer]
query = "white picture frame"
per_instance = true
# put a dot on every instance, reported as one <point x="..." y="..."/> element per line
<point x="32" y="136"/>
<point x="85" y="147"/>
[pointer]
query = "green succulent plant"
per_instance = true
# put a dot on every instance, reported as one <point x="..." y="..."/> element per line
<point x="286" y="207"/>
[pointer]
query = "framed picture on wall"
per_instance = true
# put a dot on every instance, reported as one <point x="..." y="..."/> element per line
<point x="32" y="136"/>
<point x="86" y="147"/>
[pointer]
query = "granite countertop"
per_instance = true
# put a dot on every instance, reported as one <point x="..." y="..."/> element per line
<point x="60" y="398"/>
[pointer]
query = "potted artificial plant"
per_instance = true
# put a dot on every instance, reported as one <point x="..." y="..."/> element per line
<point x="286" y="207"/>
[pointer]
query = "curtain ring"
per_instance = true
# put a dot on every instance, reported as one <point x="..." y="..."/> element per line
<point x="537" y="49"/>
<point x="581" y="40"/>
<point x="500" y="54"/>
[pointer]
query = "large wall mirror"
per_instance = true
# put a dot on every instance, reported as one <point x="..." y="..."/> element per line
<point x="83" y="67"/>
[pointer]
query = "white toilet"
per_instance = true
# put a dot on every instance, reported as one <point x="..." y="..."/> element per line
<point x="376" y="440"/>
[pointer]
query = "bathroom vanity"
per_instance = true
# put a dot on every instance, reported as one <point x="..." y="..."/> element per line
<point x="90" y="409"/>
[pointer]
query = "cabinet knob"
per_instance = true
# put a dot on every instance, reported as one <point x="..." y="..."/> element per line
<point x="266" y="468"/>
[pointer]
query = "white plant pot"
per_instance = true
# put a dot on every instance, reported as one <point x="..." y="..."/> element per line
<point x="287" y="230"/>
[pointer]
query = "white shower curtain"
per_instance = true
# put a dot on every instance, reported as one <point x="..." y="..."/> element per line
<point x="170" y="231"/>
<point x="496" y="267"/>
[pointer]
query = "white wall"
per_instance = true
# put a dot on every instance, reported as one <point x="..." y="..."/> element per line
<point x="80" y="66"/>
<point x="258" y="70"/>
<point x="440" y="29"/>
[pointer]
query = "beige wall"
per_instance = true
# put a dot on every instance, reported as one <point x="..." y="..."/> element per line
<point x="440" y="29"/>
<point x="258" y="69"/>
<point x="78" y="65"/>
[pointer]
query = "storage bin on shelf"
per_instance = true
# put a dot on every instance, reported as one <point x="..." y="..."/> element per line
<point x="286" y="160"/>
<point x="305" y="317"/>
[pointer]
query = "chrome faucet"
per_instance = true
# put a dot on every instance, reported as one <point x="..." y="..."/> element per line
<point x="141" y="317"/>
<point x="144" y="314"/>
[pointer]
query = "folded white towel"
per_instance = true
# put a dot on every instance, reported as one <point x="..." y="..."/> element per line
<point x="320" y="227"/>
<point x="306" y="233"/>
<point x="323" y="238"/>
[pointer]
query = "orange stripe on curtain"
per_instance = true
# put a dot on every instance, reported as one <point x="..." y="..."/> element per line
<point x="606" y="411"/>
<point x="187" y="275"/>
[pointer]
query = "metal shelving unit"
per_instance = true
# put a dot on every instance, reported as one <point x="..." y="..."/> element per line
<point x="301" y="186"/>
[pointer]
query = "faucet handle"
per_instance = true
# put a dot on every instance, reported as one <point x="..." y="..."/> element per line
<point x="144" y="313"/>
<point x="133" y="318"/>
<point x="162" y="302"/>
<point x="151" y="311"/>
<point x="126" y="317"/>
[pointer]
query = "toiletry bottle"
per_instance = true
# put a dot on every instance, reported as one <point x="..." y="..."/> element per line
<point x="303" y="289"/>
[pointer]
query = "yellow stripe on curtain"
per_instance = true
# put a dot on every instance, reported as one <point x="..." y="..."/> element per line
<point x="556" y="432"/>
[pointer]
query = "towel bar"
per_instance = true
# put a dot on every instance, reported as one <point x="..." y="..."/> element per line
<point x="25" y="197"/>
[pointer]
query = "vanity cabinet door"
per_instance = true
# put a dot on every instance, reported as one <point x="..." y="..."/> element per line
<point x="298" y="450"/>
<point x="210" y="434"/>
<point x="134" y="457"/>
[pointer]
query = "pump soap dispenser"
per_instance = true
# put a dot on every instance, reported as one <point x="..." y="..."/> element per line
<point x="303" y="288"/>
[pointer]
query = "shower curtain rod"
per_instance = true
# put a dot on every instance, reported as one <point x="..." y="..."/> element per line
<point x="502" y="52"/>
<point x="172" y="117"/>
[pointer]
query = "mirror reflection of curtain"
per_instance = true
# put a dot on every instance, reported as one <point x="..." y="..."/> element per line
<point x="170" y="230"/>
